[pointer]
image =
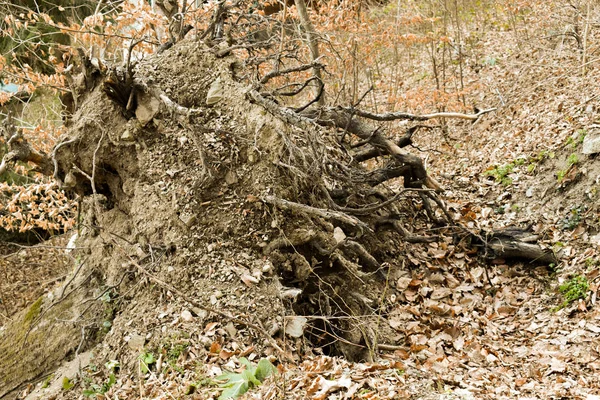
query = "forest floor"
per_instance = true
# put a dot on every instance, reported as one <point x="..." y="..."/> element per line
<point x="465" y="328"/>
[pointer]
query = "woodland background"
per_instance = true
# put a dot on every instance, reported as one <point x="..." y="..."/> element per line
<point x="462" y="325"/>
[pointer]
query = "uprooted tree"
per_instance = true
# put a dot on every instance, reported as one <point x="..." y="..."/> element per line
<point x="221" y="143"/>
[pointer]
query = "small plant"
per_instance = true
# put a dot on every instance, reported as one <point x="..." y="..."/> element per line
<point x="67" y="384"/>
<point x="47" y="381"/>
<point x="94" y="390"/>
<point x="176" y="350"/>
<point x="110" y="309"/>
<point x="571" y="161"/>
<point x="146" y="360"/>
<point x="538" y="158"/>
<point x="573" y="219"/>
<point x="237" y="384"/>
<point x="574" y="289"/>
<point x="576" y="139"/>
<point x="500" y="173"/>
<point x="591" y="262"/>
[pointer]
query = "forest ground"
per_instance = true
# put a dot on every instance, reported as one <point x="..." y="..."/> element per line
<point x="465" y="328"/>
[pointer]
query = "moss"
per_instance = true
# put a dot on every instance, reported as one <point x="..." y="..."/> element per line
<point x="33" y="311"/>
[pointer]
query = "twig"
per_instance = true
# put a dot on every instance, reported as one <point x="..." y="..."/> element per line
<point x="299" y="68"/>
<point x="415" y="117"/>
<point x="371" y="209"/>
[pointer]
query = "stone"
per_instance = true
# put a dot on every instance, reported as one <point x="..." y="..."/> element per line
<point x="591" y="144"/>
<point x="148" y="106"/>
<point x="294" y="326"/>
<point x="136" y="342"/>
<point x="339" y="235"/>
<point x="127" y="136"/>
<point x="215" y="92"/>
<point x="186" y="315"/>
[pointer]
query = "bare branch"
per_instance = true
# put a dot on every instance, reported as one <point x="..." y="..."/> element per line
<point x="304" y="67"/>
<point x="414" y="117"/>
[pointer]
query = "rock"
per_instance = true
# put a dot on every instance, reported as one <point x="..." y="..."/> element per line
<point x="188" y="219"/>
<point x="148" y="106"/>
<point x="127" y="136"/>
<point x="529" y="192"/>
<point x="231" y="178"/>
<point x="186" y="315"/>
<point x="591" y="144"/>
<point x="215" y="92"/>
<point x="136" y="342"/>
<point x="339" y="235"/>
<point x="295" y="326"/>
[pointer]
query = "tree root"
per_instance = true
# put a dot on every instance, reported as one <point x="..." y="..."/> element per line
<point x="319" y="212"/>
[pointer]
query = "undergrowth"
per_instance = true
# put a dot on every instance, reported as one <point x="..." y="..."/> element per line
<point x="572" y="290"/>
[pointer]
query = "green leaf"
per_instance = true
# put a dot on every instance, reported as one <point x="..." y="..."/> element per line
<point x="236" y="386"/>
<point x="111" y="381"/>
<point x="112" y="365"/>
<point x="244" y="361"/>
<point x="248" y="376"/>
<point x="147" y="359"/>
<point x="264" y="369"/>
<point x="67" y="384"/>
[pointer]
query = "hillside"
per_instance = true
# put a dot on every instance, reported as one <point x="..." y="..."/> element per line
<point x="223" y="225"/>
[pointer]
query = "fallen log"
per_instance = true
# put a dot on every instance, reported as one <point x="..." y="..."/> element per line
<point x="515" y="243"/>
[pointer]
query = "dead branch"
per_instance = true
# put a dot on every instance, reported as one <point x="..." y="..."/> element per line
<point x="373" y="208"/>
<point x="414" y="117"/>
<point x="404" y="141"/>
<point x="159" y="94"/>
<point x="284" y="114"/>
<point x="381" y="175"/>
<point x="299" y="68"/>
<point x="300" y="87"/>
<point x="363" y="255"/>
<point x="510" y="248"/>
<point x="313" y="45"/>
<point x="320" y="212"/>
<point x="341" y="118"/>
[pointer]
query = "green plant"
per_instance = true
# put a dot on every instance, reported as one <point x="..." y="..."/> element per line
<point x="237" y="384"/>
<point x="501" y="172"/>
<point x="572" y="220"/>
<point x="576" y="139"/>
<point x="591" y="262"/>
<point x="538" y="158"/>
<point x="94" y="390"/>
<point x="110" y="309"/>
<point x="47" y="381"/>
<point x="175" y="350"/>
<point x="112" y="365"/>
<point x="572" y="160"/>
<point x="574" y="289"/>
<point x="67" y="384"/>
<point x="146" y="360"/>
